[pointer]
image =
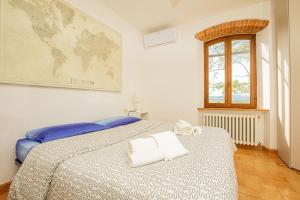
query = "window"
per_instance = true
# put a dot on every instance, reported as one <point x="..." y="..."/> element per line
<point x="230" y="72"/>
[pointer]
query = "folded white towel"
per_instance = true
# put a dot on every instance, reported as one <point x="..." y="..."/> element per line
<point x="184" y="128"/>
<point x="164" y="145"/>
<point x="142" y="145"/>
<point x="170" y="145"/>
<point x="143" y="158"/>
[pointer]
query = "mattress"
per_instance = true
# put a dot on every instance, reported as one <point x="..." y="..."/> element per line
<point x="23" y="147"/>
<point x="95" y="166"/>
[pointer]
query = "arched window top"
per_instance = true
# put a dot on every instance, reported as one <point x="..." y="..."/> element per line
<point x="245" y="26"/>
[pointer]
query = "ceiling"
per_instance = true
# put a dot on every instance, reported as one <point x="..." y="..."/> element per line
<point x="152" y="15"/>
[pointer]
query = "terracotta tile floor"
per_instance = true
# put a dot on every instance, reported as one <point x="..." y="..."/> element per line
<point x="261" y="175"/>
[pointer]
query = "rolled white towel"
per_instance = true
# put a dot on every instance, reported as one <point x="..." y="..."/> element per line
<point x="184" y="128"/>
<point x="197" y="130"/>
<point x="142" y="145"/>
<point x="143" y="158"/>
<point x="170" y="145"/>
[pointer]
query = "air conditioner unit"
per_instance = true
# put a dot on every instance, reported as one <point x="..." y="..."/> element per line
<point x="161" y="37"/>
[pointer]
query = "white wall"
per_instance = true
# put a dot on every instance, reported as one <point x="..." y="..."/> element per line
<point x="26" y="107"/>
<point x="172" y="86"/>
<point x="283" y="66"/>
<point x="295" y="82"/>
<point x="288" y="61"/>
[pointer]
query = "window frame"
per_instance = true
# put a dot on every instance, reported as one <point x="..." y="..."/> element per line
<point x="228" y="72"/>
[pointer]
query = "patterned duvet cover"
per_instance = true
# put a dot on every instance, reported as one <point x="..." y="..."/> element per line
<point x="95" y="166"/>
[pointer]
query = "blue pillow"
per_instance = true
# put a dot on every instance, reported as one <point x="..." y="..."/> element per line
<point x="104" y="122"/>
<point x="23" y="147"/>
<point x="61" y="131"/>
<point x="117" y="121"/>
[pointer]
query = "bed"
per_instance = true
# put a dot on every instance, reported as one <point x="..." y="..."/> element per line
<point x="95" y="166"/>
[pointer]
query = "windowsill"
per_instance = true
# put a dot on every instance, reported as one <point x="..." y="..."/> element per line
<point x="234" y="109"/>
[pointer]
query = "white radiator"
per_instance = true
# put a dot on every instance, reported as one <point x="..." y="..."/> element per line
<point x="244" y="129"/>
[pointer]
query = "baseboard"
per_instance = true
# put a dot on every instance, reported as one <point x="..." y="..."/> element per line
<point x="242" y="146"/>
<point x="4" y="187"/>
<point x="274" y="151"/>
<point x="259" y="147"/>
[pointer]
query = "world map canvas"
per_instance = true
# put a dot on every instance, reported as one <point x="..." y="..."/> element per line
<point x="49" y="43"/>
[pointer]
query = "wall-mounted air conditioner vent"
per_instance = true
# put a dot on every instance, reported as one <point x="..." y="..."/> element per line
<point x="161" y="37"/>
